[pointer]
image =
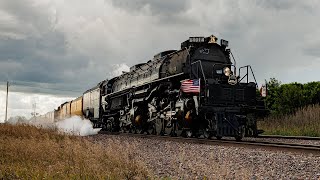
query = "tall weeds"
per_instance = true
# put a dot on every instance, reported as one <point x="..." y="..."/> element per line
<point x="27" y="152"/>
<point x="305" y="122"/>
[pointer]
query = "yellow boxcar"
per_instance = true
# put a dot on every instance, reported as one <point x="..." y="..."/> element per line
<point x="57" y="114"/>
<point x="68" y="110"/>
<point x="76" y="107"/>
<point x="65" y="110"/>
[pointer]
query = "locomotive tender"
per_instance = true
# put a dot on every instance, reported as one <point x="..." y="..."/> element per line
<point x="189" y="92"/>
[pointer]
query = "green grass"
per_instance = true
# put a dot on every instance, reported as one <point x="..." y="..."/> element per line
<point x="305" y="122"/>
<point x="27" y="152"/>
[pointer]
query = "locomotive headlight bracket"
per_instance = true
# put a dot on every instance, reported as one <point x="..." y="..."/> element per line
<point x="227" y="71"/>
<point x="232" y="80"/>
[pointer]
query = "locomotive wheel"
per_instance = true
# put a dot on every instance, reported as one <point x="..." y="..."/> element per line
<point x="241" y="130"/>
<point x="152" y="128"/>
<point x="168" y="128"/>
<point x="188" y="133"/>
<point x="138" y="131"/>
<point x="109" y="126"/>
<point x="207" y="134"/>
<point x="158" y="126"/>
<point x="178" y="129"/>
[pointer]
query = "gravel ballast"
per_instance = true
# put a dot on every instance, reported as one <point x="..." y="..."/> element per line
<point x="180" y="160"/>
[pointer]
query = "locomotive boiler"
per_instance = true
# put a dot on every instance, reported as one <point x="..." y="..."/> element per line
<point x="195" y="91"/>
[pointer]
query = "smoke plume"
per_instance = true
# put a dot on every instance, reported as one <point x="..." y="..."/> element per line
<point x="77" y="126"/>
<point x="74" y="125"/>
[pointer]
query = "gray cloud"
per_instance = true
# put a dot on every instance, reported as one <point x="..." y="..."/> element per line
<point x="154" y="7"/>
<point x="284" y="5"/>
<point x="73" y="45"/>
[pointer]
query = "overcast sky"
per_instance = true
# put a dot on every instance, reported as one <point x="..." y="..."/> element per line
<point x="72" y="45"/>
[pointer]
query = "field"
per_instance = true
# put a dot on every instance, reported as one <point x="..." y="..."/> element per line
<point x="27" y="152"/>
<point x="305" y="122"/>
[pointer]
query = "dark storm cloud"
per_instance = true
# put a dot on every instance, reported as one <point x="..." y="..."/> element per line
<point x="36" y="52"/>
<point x="74" y="45"/>
<point x="40" y="59"/>
<point x="21" y="58"/>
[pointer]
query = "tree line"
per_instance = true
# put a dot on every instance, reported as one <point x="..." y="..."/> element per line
<point x="285" y="99"/>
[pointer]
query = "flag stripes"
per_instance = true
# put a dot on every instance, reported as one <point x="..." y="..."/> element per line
<point x="190" y="86"/>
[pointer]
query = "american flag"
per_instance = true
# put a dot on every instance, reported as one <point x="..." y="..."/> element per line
<point x="190" y="86"/>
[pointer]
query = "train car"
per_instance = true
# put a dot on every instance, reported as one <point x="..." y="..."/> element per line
<point x="68" y="110"/>
<point x="50" y="116"/>
<point x="192" y="91"/>
<point x="64" y="111"/>
<point x="76" y="107"/>
<point x="91" y="103"/>
<point x="57" y="114"/>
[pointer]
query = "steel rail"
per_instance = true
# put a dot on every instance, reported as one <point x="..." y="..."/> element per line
<point x="278" y="146"/>
<point x="289" y="137"/>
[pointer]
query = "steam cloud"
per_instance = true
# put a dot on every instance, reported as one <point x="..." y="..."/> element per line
<point x="77" y="126"/>
<point x="74" y="125"/>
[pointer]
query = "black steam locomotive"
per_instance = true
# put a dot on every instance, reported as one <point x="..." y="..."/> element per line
<point x="191" y="92"/>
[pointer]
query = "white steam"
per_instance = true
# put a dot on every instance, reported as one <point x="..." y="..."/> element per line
<point x="118" y="69"/>
<point x="17" y="120"/>
<point x="77" y="126"/>
<point x="74" y="125"/>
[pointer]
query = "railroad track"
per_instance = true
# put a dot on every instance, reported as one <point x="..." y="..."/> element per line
<point x="289" y="137"/>
<point x="301" y="148"/>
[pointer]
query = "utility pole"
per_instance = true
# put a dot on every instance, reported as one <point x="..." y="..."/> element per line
<point x="6" y="119"/>
<point x="34" y="113"/>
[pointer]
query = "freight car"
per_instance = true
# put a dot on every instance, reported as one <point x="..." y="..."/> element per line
<point x="69" y="109"/>
<point x="92" y="104"/>
<point x="76" y="107"/>
<point x="195" y="91"/>
<point x="64" y="111"/>
<point x="49" y="116"/>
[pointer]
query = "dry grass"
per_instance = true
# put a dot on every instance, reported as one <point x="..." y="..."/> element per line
<point x="27" y="152"/>
<point x="305" y="122"/>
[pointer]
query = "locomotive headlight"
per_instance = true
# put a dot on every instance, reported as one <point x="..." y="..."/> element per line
<point x="219" y="71"/>
<point x="227" y="71"/>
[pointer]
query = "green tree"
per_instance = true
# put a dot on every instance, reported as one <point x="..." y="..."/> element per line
<point x="287" y="98"/>
<point x="272" y="93"/>
<point x="312" y="92"/>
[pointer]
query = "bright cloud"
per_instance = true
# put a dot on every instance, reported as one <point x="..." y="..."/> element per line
<point x="20" y="104"/>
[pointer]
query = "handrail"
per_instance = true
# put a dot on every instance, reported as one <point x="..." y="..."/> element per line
<point x="235" y="63"/>
<point x="247" y="75"/>
<point x="199" y="61"/>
